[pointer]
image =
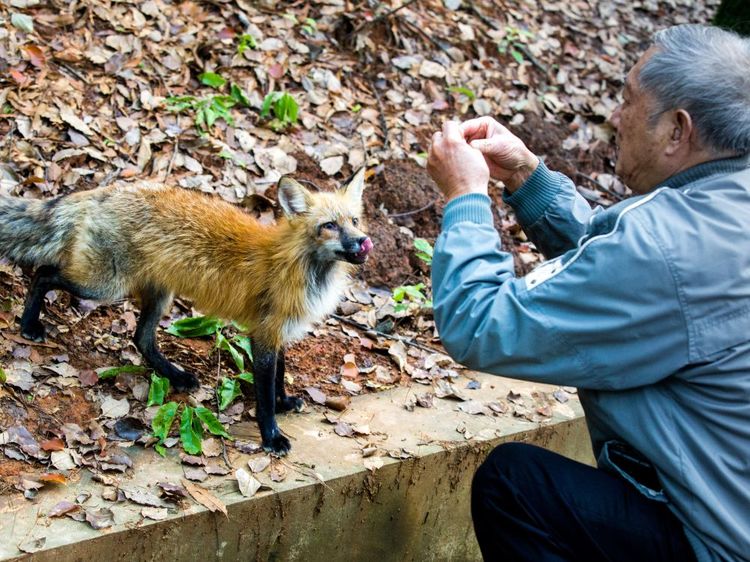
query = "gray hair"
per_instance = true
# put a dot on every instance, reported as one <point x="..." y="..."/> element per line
<point x="705" y="71"/>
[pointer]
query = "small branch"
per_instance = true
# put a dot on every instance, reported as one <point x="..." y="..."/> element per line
<point x="381" y="114"/>
<point x="601" y="187"/>
<point x="172" y="159"/>
<point x="381" y="17"/>
<point x="414" y="212"/>
<point x="370" y="331"/>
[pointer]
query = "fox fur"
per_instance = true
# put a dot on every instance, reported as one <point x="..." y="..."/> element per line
<point x="153" y="242"/>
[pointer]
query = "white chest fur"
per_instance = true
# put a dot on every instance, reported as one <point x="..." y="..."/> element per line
<point x="319" y="303"/>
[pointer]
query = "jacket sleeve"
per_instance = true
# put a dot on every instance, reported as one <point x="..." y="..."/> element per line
<point x="605" y="315"/>
<point x="551" y="211"/>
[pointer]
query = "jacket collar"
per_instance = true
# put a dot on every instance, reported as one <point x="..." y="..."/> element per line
<point x="706" y="169"/>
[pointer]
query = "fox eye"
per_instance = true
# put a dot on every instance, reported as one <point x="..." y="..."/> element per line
<point x="328" y="226"/>
<point x="355" y="221"/>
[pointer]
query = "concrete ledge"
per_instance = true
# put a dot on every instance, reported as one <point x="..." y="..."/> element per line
<point x="408" y="510"/>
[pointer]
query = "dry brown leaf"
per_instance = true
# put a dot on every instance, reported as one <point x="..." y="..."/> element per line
<point x="205" y="498"/>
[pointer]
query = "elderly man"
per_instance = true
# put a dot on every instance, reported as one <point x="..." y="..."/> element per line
<point x="644" y="306"/>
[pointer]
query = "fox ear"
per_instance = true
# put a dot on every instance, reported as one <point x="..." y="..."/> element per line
<point x="293" y="198"/>
<point x="355" y="187"/>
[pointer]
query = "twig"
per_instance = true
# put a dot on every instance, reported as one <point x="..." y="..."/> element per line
<point x="381" y="114"/>
<point x="370" y="331"/>
<point x="427" y="36"/>
<point x="414" y="212"/>
<point x="172" y="159"/>
<point x="525" y="50"/>
<point x="601" y="187"/>
<point x="381" y="17"/>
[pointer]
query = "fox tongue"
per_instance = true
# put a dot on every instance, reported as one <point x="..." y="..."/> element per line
<point x="367" y="245"/>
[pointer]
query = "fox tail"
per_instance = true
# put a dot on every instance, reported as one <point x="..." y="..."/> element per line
<point x="32" y="232"/>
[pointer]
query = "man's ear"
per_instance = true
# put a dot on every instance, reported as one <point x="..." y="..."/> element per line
<point x="293" y="197"/>
<point x="355" y="187"/>
<point x="682" y="131"/>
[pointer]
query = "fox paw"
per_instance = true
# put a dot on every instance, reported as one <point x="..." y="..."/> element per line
<point x="34" y="331"/>
<point x="289" y="403"/>
<point x="183" y="381"/>
<point x="278" y="445"/>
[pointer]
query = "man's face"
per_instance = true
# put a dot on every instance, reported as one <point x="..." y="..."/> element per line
<point x="640" y="145"/>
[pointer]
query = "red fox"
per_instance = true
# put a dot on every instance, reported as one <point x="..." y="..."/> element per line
<point x="153" y="242"/>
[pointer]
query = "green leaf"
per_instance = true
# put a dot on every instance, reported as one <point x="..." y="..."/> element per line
<point x="246" y="41"/>
<point x="162" y="423"/>
<point x="516" y="55"/>
<point x="195" y="327"/>
<point x="191" y="432"/>
<point x="243" y="342"/>
<point x="228" y="390"/>
<point x="212" y="79"/>
<point x="3" y="376"/>
<point x="226" y="345"/>
<point x="180" y="103"/>
<point x="401" y="307"/>
<point x="414" y="292"/>
<point x="22" y="22"/>
<point x="212" y="424"/>
<point x="238" y="95"/>
<point x="247" y="377"/>
<point x="268" y="102"/>
<point x="286" y="109"/>
<point x="114" y="371"/>
<point x="465" y="91"/>
<point x="158" y="390"/>
<point x="425" y="250"/>
<point x="398" y="294"/>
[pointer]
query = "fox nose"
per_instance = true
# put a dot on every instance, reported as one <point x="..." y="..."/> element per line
<point x="365" y="245"/>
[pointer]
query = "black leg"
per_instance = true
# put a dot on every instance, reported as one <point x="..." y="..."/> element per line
<point x="153" y="303"/>
<point x="47" y="278"/>
<point x="264" y="365"/>
<point x="284" y="403"/>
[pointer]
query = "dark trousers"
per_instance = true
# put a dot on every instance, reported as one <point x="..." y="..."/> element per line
<point x="529" y="504"/>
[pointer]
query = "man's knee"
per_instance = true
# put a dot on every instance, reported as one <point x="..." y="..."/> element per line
<point x="498" y="476"/>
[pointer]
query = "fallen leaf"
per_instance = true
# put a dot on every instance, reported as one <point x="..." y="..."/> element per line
<point x="32" y="544"/>
<point x="63" y="508"/>
<point x="316" y="394"/>
<point x="142" y="497"/>
<point x="247" y="483"/>
<point x="259" y="464"/>
<point x="205" y="498"/>
<point x="155" y="513"/>
<point x="101" y="518"/>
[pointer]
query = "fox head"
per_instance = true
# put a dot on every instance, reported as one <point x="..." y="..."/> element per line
<point x="332" y="223"/>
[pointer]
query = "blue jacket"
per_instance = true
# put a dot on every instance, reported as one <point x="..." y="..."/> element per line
<point x="644" y="306"/>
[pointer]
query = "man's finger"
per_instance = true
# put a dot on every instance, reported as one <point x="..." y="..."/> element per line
<point x="452" y="131"/>
<point x="477" y="128"/>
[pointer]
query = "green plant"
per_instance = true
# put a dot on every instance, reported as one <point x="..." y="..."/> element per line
<point x="463" y="90"/>
<point x="405" y="295"/>
<point x="513" y="42"/>
<point x="310" y="27"/>
<point x="246" y="41"/>
<point x="193" y="422"/>
<point x="284" y="107"/>
<point x="209" y="109"/>
<point x="424" y="250"/>
<point x="238" y="346"/>
<point x="3" y="376"/>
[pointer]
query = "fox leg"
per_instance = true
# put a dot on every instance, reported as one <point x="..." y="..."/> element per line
<point x="264" y="365"/>
<point x="284" y="403"/>
<point x="47" y="278"/>
<point x="153" y="303"/>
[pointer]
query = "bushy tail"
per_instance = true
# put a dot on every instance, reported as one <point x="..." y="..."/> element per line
<point x="32" y="232"/>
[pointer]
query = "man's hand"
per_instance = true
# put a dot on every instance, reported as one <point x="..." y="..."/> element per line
<point x="507" y="157"/>
<point x="456" y="167"/>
